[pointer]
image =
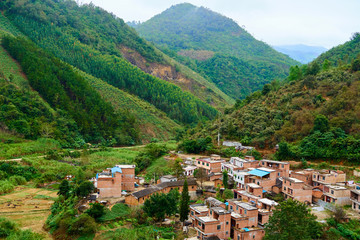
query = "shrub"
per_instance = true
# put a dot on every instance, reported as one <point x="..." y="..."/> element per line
<point x="83" y="225"/>
<point x="17" y="180"/>
<point x="6" y="227"/>
<point x="6" y="187"/>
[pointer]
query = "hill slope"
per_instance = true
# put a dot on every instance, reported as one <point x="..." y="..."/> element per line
<point x="300" y="52"/>
<point x="318" y="112"/>
<point x="90" y="39"/>
<point x="217" y="47"/>
<point x="141" y="116"/>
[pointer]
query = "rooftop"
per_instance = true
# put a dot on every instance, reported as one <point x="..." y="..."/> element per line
<point x="334" y="187"/>
<point x="214" y="202"/>
<point x="209" y="160"/>
<point x="295" y="180"/>
<point x="199" y="207"/>
<point x="207" y="219"/>
<point x="188" y="168"/>
<point x="258" y="172"/>
<point x="243" y="205"/>
<point x="267" y="201"/>
<point x="220" y="210"/>
<point x="236" y="215"/>
<point x="253" y="185"/>
<point x="272" y="161"/>
<point x="168" y="176"/>
<point x="266" y="169"/>
<point x="125" y="166"/>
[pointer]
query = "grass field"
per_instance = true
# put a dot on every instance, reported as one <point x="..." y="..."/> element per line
<point x="28" y="207"/>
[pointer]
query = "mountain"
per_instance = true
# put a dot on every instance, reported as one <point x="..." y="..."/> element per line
<point x="314" y="114"/>
<point x="216" y="47"/>
<point x="81" y="85"/>
<point x="300" y="52"/>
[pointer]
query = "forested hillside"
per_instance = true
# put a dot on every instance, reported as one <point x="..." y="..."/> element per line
<point x="216" y="47"/>
<point x="65" y="105"/>
<point x="316" y="110"/>
<point x="63" y="26"/>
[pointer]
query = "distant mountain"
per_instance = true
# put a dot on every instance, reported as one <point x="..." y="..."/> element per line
<point x="217" y="47"/>
<point x="300" y="52"/>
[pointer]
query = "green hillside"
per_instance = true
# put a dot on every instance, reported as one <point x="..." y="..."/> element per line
<point x="148" y="121"/>
<point x="216" y="47"/>
<point x="314" y="114"/>
<point x="151" y="122"/>
<point x="57" y="26"/>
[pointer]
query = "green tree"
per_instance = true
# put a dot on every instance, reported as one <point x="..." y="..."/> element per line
<point x="326" y="65"/>
<point x="84" y="189"/>
<point x="156" y="206"/>
<point x="64" y="188"/>
<point x="200" y="174"/>
<point x="83" y="225"/>
<point x="225" y="179"/>
<point x="266" y="89"/>
<point x="284" y="152"/>
<point x="321" y="123"/>
<point x="292" y="220"/>
<point x="96" y="211"/>
<point x="355" y="66"/>
<point x="176" y="168"/>
<point x="173" y="201"/>
<point x="184" y="202"/>
<point x="228" y="194"/>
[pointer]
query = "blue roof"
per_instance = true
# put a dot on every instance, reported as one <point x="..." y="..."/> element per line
<point x="115" y="169"/>
<point x="264" y="191"/>
<point x="246" y="229"/>
<point x="259" y="173"/>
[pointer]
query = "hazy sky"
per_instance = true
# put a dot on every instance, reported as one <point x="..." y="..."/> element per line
<point x="324" y="23"/>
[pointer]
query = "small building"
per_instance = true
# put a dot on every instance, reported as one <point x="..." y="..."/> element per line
<point x="213" y="202"/>
<point x="296" y="189"/>
<point x="112" y="181"/>
<point x="327" y="177"/>
<point x="254" y="233"/>
<point x="231" y="144"/>
<point x="282" y="168"/>
<point x="189" y="170"/>
<point x="216" y="224"/>
<point x="265" y="207"/>
<point x="229" y="168"/>
<point x="338" y="195"/>
<point x="139" y="197"/>
<point x="248" y="212"/>
<point x="211" y="165"/>
<point x="240" y="179"/>
<point x="244" y="196"/>
<point x="198" y="210"/>
<point x="248" y="162"/>
<point x="264" y="177"/>
<point x="303" y="175"/>
<point x="355" y="199"/>
<point x="254" y="189"/>
<point x="167" y="178"/>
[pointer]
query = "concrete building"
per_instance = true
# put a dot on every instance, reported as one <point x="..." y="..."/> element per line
<point x="246" y="163"/>
<point x="303" y="175"/>
<point x="167" y="178"/>
<point x="296" y="189"/>
<point x="211" y="165"/>
<point x="282" y="168"/>
<point x="189" y="170"/>
<point x="355" y="199"/>
<point x="338" y="195"/>
<point x="264" y="177"/>
<point x="230" y="168"/>
<point x="265" y="207"/>
<point x="198" y="210"/>
<point x="327" y="177"/>
<point x="113" y="181"/>
<point x="240" y="179"/>
<point x="216" y="224"/>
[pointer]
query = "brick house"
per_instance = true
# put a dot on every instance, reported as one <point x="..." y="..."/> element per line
<point x="213" y="202"/>
<point x="211" y="165"/>
<point x="245" y="210"/>
<point x="338" y="195"/>
<point x="254" y="189"/>
<point x="264" y="177"/>
<point x="327" y="177"/>
<point x="230" y="168"/>
<point x="112" y="181"/>
<point x="139" y="197"/>
<point x="217" y="223"/>
<point x="282" y="168"/>
<point x="255" y="233"/>
<point x="296" y="189"/>
<point x="189" y="170"/>
<point x="245" y="196"/>
<point x="265" y="206"/>
<point x="303" y="175"/>
<point x="198" y="210"/>
<point x="355" y="199"/>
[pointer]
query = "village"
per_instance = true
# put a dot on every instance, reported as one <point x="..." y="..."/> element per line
<point x="253" y="183"/>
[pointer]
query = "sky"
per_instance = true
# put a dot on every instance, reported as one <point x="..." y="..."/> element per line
<point x="325" y="23"/>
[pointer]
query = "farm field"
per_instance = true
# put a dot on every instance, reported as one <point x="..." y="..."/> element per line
<point x="28" y="207"/>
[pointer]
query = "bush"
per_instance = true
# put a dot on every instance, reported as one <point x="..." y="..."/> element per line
<point x="6" y="187"/>
<point x="17" y="180"/>
<point x="96" y="211"/>
<point x="83" y="225"/>
<point x="6" y="227"/>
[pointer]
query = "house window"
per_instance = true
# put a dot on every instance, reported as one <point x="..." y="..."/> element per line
<point x="282" y="165"/>
<point x="284" y="188"/>
<point x="332" y="191"/>
<point x="237" y="208"/>
<point x="323" y="178"/>
<point x="198" y="162"/>
<point x="192" y="213"/>
<point x="227" y="223"/>
<point x="241" y="179"/>
<point x="227" y="232"/>
<point x="263" y="163"/>
<point x="333" y="200"/>
<point x="210" y="212"/>
<point x="203" y="163"/>
<point x="238" y="237"/>
<point x="278" y="174"/>
<point x="253" y="236"/>
<point x="231" y="207"/>
<point x="207" y="164"/>
<point x="218" y="227"/>
<point x="314" y="176"/>
<point x="200" y="224"/>
<point x="359" y="206"/>
<point x="245" y="211"/>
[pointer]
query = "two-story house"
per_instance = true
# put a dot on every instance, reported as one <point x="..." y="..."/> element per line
<point x="296" y="189"/>
<point x="339" y="195"/>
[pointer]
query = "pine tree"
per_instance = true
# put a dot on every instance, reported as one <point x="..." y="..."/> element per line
<point x="184" y="202"/>
<point x="225" y="179"/>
